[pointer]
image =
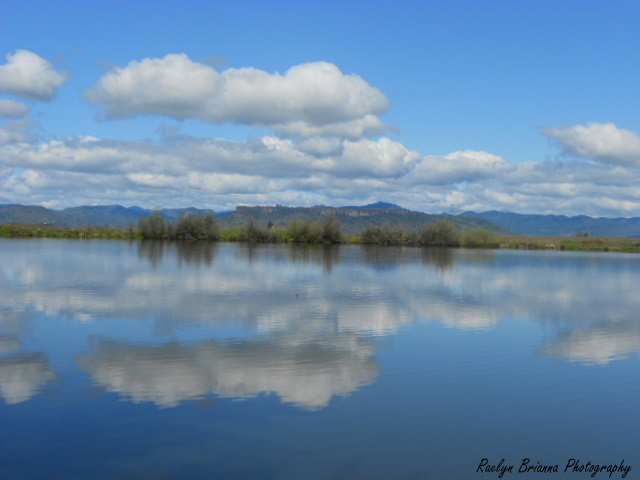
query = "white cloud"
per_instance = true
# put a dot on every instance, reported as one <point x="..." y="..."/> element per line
<point x="325" y="113"/>
<point x="30" y="76"/>
<point x="381" y="158"/>
<point x="320" y="146"/>
<point x="196" y="167"/>
<point x="308" y="100"/>
<point x="602" y="142"/>
<point x="12" y="108"/>
<point x="18" y="131"/>
<point x="456" y="167"/>
<point x="188" y="171"/>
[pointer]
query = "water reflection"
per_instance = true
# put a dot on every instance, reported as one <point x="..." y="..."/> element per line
<point x="327" y="256"/>
<point x="23" y="375"/>
<point x="9" y="343"/>
<point x="304" y="373"/>
<point x="303" y="319"/>
<point x="191" y="253"/>
<point x="441" y="258"/>
<point x="597" y="346"/>
<point x="152" y="250"/>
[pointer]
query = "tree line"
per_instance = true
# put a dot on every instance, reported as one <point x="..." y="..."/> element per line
<point x="194" y="226"/>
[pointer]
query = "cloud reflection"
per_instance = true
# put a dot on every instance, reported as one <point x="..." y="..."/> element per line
<point x="306" y="374"/>
<point x="598" y="346"/>
<point x="23" y="376"/>
<point x="9" y="343"/>
<point x="303" y="320"/>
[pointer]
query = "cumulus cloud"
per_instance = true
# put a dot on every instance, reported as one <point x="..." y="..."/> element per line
<point x="11" y="108"/>
<point x="324" y="150"/>
<point x="456" y="167"/>
<point x="319" y="154"/>
<point x="603" y="142"/>
<point x="308" y="100"/>
<point x="265" y="166"/>
<point x="28" y="75"/>
<point x="18" y="131"/>
<point x="221" y="173"/>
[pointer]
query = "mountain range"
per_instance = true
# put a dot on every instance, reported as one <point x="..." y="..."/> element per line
<point x="352" y="218"/>
<point x="561" y="225"/>
<point x="101" y="215"/>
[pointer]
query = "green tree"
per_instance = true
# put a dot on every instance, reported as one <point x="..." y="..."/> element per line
<point x="154" y="226"/>
<point x="382" y="235"/>
<point x="442" y="233"/>
<point x="301" y="231"/>
<point x="194" y="226"/>
<point x="255" y="233"/>
<point x="330" y="229"/>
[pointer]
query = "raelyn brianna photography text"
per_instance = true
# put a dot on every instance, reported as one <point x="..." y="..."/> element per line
<point x="572" y="466"/>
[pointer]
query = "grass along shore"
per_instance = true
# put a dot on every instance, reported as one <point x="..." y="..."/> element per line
<point x="303" y="232"/>
<point x="22" y="230"/>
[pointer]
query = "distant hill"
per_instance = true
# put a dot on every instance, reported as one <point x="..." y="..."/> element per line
<point x="28" y="214"/>
<point x="379" y="206"/>
<point x="352" y="219"/>
<point x="109" y="215"/>
<point x="561" y="225"/>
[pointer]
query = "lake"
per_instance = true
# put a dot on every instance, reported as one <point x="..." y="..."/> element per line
<point x="159" y="360"/>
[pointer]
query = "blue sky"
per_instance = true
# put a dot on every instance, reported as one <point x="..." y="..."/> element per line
<point x="439" y="106"/>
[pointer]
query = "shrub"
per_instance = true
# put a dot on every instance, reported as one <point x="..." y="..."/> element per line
<point x="196" y="227"/>
<point x="301" y="231"/>
<point x="255" y="233"/>
<point x="154" y="226"/>
<point x="442" y="233"/>
<point x="191" y="226"/>
<point x="330" y="229"/>
<point x="480" y="237"/>
<point x="382" y="235"/>
<point x="234" y="234"/>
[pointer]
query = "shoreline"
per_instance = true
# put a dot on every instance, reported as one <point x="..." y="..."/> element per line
<point x="495" y="242"/>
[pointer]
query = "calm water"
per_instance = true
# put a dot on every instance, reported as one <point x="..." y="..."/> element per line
<point x="196" y="361"/>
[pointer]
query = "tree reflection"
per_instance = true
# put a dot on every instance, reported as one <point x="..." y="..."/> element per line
<point x="189" y="252"/>
<point x="152" y="250"/>
<point x="382" y="256"/>
<point x="325" y="255"/>
<point x="196" y="253"/>
<point x="440" y="257"/>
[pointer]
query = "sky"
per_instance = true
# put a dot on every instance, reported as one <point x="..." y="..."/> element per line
<point x="438" y="106"/>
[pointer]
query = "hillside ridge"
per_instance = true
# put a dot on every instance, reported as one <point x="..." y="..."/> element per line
<point x="353" y="218"/>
